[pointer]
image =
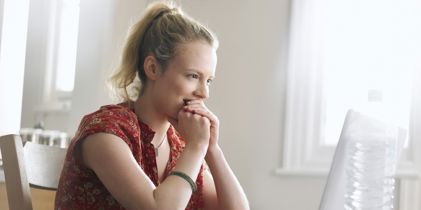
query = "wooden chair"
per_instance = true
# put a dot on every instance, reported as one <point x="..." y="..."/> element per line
<point x="33" y="165"/>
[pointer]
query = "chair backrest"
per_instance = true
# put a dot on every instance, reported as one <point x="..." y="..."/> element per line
<point x="34" y="165"/>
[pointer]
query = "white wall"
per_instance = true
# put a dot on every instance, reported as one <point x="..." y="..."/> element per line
<point x="248" y="94"/>
<point x="101" y="35"/>
<point x="35" y="65"/>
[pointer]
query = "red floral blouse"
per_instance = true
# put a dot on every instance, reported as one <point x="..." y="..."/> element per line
<point x="79" y="187"/>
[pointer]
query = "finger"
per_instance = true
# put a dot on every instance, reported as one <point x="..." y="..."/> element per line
<point x="195" y="106"/>
<point x="205" y="113"/>
<point x="199" y="109"/>
<point x="195" y="101"/>
<point x="175" y="121"/>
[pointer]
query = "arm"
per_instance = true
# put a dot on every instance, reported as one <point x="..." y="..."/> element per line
<point x="221" y="187"/>
<point x="111" y="159"/>
<point x="222" y="181"/>
<point x="129" y="184"/>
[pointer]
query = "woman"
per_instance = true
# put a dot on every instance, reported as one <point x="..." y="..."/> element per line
<point x="159" y="151"/>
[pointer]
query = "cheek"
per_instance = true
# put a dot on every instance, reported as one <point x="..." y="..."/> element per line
<point x="171" y="94"/>
<point x="180" y="88"/>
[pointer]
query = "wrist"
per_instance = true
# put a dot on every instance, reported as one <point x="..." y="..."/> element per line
<point x="213" y="151"/>
<point x="197" y="147"/>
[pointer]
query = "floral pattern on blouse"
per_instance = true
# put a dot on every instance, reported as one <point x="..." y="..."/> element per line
<point x="79" y="187"/>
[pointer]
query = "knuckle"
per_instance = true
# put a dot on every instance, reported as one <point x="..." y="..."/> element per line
<point x="206" y="120"/>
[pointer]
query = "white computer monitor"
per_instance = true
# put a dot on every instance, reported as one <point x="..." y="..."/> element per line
<point x="333" y="197"/>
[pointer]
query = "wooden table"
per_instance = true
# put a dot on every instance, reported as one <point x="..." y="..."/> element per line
<point x="41" y="199"/>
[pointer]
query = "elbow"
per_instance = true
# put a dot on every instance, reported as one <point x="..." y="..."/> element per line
<point x="163" y="204"/>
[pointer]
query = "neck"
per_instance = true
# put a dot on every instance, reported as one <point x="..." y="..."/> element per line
<point x="147" y="112"/>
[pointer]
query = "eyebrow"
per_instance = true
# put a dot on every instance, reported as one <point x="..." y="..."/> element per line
<point x="201" y="74"/>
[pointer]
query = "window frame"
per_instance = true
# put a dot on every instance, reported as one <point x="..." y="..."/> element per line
<point x="303" y="153"/>
<point x="55" y="100"/>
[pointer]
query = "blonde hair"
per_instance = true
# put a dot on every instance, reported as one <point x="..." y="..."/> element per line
<point x="161" y="29"/>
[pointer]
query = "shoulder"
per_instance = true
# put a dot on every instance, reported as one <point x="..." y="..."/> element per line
<point x="118" y="113"/>
<point x="116" y="119"/>
<point x="113" y="111"/>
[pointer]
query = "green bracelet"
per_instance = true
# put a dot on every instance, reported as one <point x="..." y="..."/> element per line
<point x="185" y="177"/>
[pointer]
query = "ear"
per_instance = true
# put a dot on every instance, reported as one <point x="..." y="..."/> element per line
<point x="151" y="67"/>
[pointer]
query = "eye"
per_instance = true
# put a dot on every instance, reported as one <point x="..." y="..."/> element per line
<point x="193" y="76"/>
<point x="209" y="81"/>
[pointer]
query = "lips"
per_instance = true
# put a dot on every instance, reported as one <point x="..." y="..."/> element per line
<point x="186" y="100"/>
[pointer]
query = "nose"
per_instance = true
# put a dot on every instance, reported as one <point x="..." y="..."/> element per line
<point x="202" y="91"/>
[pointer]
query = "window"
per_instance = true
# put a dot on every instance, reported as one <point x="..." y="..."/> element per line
<point x="63" y="25"/>
<point x="13" y="31"/>
<point x="369" y="62"/>
<point x="66" y="46"/>
<point x="347" y="54"/>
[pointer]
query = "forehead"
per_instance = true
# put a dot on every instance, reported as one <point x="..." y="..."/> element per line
<point x="196" y="55"/>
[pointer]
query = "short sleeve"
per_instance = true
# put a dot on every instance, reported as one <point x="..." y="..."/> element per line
<point x="111" y="120"/>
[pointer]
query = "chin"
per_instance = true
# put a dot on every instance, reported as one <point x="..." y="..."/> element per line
<point x="173" y="113"/>
<point x="172" y="109"/>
